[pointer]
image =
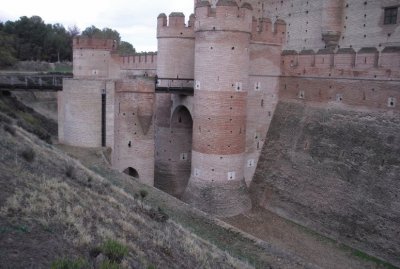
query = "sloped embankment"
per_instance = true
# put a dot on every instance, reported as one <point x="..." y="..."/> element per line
<point x="335" y="171"/>
<point x="53" y="207"/>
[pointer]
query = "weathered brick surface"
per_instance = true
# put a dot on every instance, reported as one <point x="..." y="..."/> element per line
<point x="352" y="92"/>
<point x="82" y="112"/>
<point x="342" y="65"/>
<point x="218" y="198"/>
<point x="219" y="122"/>
<point x="262" y="97"/>
<point x="334" y="170"/>
<point x="110" y="113"/>
<point x="97" y="58"/>
<point x="361" y="22"/>
<point x="134" y="128"/>
<point x="91" y="63"/>
<point x="222" y="60"/>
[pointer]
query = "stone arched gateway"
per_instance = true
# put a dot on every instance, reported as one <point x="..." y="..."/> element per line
<point x="176" y="154"/>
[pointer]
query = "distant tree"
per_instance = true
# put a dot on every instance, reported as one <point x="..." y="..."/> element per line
<point x="73" y="31"/>
<point x="29" y="36"/>
<point x="92" y="31"/>
<point x="126" y="48"/>
<point x="33" y="39"/>
<point x="111" y="34"/>
<point x="106" y="33"/>
<point x="7" y="51"/>
<point x="58" y="44"/>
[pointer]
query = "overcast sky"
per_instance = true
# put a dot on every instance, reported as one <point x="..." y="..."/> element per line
<point x="135" y="20"/>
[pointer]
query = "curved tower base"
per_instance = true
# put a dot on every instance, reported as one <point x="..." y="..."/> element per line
<point x="221" y="199"/>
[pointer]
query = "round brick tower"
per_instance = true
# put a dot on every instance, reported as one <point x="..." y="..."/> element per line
<point x="222" y="34"/>
<point x="173" y="133"/>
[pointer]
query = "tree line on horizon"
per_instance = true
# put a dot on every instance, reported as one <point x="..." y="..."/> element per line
<point x="31" y="39"/>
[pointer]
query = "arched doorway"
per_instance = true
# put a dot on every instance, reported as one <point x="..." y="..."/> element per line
<point x="131" y="172"/>
<point x="173" y="171"/>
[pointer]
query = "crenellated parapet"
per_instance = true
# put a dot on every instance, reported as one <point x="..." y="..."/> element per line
<point x="142" y="61"/>
<point x="92" y="57"/>
<point x="367" y="62"/>
<point x="264" y="31"/>
<point x="175" y="26"/>
<point x="226" y="16"/>
<point x="80" y="42"/>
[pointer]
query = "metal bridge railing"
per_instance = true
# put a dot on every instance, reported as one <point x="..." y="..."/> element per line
<point x="27" y="82"/>
<point x="183" y="86"/>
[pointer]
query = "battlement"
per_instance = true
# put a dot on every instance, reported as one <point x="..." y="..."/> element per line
<point x="80" y="42"/>
<point x="138" y="61"/>
<point x="226" y="16"/>
<point x="175" y="25"/>
<point x="263" y="30"/>
<point x="346" y="63"/>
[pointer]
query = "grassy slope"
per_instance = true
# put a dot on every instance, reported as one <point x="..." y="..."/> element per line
<point x="52" y="206"/>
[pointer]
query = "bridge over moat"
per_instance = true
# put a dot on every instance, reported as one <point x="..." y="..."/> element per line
<point x="32" y="81"/>
<point x="54" y="82"/>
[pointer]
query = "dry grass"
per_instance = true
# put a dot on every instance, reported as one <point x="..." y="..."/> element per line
<point x="93" y="210"/>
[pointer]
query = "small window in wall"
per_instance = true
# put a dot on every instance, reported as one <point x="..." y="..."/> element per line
<point x="391" y="102"/>
<point x="301" y="94"/>
<point x="238" y="86"/>
<point x="390" y="15"/>
<point x="250" y="163"/>
<point x="231" y="175"/>
<point x="183" y="156"/>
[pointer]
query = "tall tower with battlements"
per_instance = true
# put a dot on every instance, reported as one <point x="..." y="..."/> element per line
<point x="173" y="131"/>
<point x="217" y="184"/>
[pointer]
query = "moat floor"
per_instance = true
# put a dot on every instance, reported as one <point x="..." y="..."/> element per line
<point x="300" y="241"/>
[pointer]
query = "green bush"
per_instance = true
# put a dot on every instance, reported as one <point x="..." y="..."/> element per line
<point x="70" y="264"/>
<point x="107" y="264"/>
<point x="28" y="154"/>
<point x="114" y="250"/>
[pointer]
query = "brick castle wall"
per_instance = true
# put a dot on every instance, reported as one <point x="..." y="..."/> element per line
<point x="133" y="128"/>
<point x="365" y="79"/>
<point x="360" y="22"/>
<point x="81" y="112"/>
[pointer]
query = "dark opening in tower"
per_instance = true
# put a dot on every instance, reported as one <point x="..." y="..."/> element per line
<point x="177" y="153"/>
<point x="131" y="172"/>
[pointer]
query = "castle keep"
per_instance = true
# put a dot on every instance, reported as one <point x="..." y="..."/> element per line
<point x="240" y="59"/>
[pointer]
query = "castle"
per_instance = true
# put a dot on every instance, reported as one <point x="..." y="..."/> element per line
<point x="240" y="59"/>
